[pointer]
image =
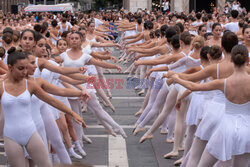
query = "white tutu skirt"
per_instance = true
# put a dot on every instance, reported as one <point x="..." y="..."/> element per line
<point x="212" y="117"/>
<point x="195" y="109"/>
<point x="91" y="70"/>
<point x="232" y="135"/>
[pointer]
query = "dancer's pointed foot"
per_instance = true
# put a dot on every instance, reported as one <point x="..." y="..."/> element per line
<point x="137" y="130"/>
<point x="145" y="137"/>
<point x="181" y="148"/>
<point x="170" y="140"/>
<point x="141" y="92"/>
<point x="139" y="112"/>
<point x="111" y="107"/>
<point x="136" y="124"/>
<point x="72" y="153"/>
<point x="171" y="155"/>
<point x="121" y="132"/>
<point x="163" y="131"/>
<point x="178" y="162"/>
<point x="86" y="139"/>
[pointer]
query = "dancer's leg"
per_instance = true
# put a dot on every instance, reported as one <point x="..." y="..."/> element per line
<point x="41" y="157"/>
<point x="189" y="139"/>
<point x="241" y="160"/>
<point x="157" y="106"/>
<point x="54" y="135"/>
<point x="179" y="130"/>
<point x="103" y="80"/>
<point x="169" y="105"/>
<point x="99" y="89"/>
<point x="197" y="149"/>
<point x="154" y="92"/>
<point x="147" y="97"/>
<point x="171" y="124"/>
<point x="1" y="122"/>
<point x="41" y="131"/>
<point x="15" y="152"/>
<point x="207" y="159"/>
<point x="103" y="115"/>
<point x="62" y="125"/>
<point x="76" y="107"/>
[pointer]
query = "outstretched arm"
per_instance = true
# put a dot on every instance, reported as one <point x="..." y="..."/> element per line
<point x="36" y="90"/>
<point x="213" y="85"/>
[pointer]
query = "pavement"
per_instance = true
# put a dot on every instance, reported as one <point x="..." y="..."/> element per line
<point x="109" y="151"/>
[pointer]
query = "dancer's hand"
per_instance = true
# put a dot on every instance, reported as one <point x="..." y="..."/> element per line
<point x="119" y="46"/>
<point x="165" y="75"/>
<point x="113" y="58"/>
<point x="137" y="57"/>
<point x="84" y="95"/>
<point x="170" y="74"/>
<point x="148" y="73"/>
<point x="82" y="70"/>
<point x="175" y="78"/>
<point x="136" y="63"/>
<point x="170" y="81"/>
<point x="119" y="69"/>
<point x="79" y="120"/>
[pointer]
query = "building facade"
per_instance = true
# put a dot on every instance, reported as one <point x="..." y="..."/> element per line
<point x="10" y="5"/>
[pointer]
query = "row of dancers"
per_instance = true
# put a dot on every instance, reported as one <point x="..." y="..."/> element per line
<point x="63" y="53"/>
<point x="196" y="89"/>
<point x="49" y="83"/>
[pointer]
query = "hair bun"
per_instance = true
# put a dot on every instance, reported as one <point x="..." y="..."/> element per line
<point x="11" y="50"/>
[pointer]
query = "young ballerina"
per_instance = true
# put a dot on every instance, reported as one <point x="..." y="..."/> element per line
<point x="76" y="58"/>
<point x="224" y="143"/>
<point x="11" y="93"/>
<point x="211" y="118"/>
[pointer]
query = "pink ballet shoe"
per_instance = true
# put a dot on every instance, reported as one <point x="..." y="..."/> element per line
<point x="141" y="92"/>
<point x="121" y="132"/>
<point x="178" y="162"/>
<point x="111" y="107"/>
<point x="181" y="148"/>
<point x="110" y="131"/>
<point x="171" y="155"/>
<point x="163" y="131"/>
<point x="145" y="137"/>
<point x="137" y="130"/>
<point x="170" y="140"/>
<point x="138" y="113"/>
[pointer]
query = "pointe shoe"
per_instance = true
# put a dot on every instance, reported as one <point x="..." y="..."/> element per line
<point x="178" y="162"/>
<point x="141" y="92"/>
<point x="170" y="140"/>
<point x="137" y="130"/>
<point x="86" y="139"/>
<point x="164" y="131"/>
<point x="75" y="155"/>
<point x="121" y="132"/>
<point x="181" y="148"/>
<point x="171" y="155"/>
<point x="112" y="107"/>
<point x="135" y="127"/>
<point x="55" y="159"/>
<point x="145" y="137"/>
<point x="111" y="132"/>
